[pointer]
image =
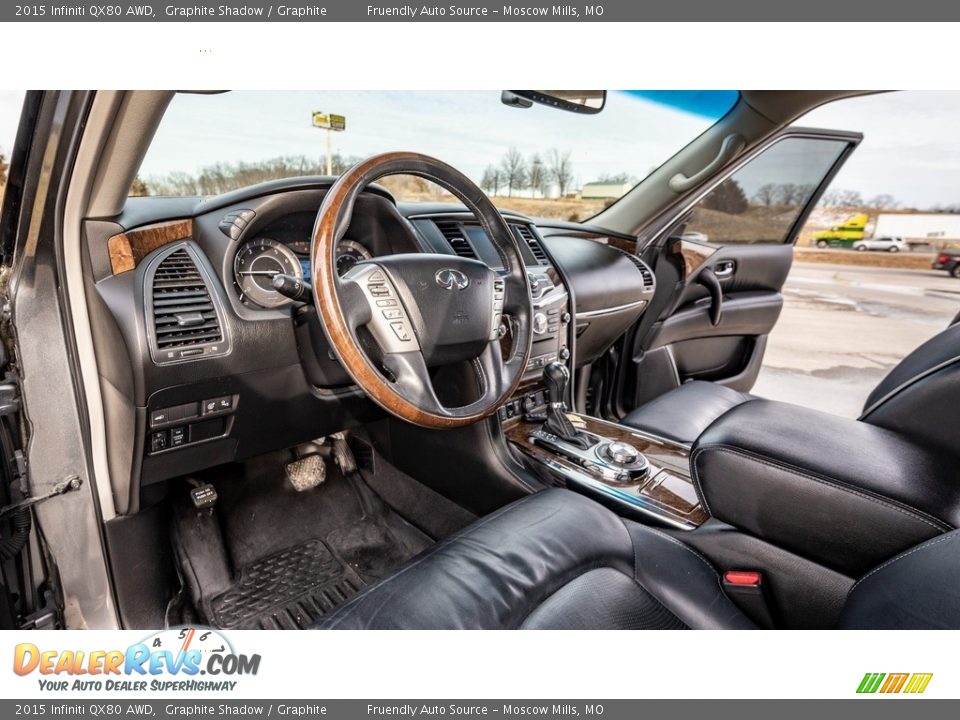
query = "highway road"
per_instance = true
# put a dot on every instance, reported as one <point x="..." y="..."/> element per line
<point x="843" y="328"/>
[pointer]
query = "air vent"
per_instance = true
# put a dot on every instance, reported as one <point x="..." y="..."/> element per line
<point x="526" y="234"/>
<point x="454" y="235"/>
<point x="645" y="272"/>
<point x="184" y="315"/>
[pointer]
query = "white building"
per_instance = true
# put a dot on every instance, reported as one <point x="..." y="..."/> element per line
<point x="604" y="190"/>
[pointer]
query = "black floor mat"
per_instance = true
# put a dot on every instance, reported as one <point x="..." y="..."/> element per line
<point x="292" y="556"/>
<point x="287" y="591"/>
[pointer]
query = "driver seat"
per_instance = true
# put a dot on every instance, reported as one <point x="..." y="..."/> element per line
<point x="558" y="560"/>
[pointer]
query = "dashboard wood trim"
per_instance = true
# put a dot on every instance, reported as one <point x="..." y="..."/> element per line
<point x="129" y="248"/>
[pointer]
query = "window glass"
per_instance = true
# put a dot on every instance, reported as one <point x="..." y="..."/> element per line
<point x="538" y="161"/>
<point x="761" y="201"/>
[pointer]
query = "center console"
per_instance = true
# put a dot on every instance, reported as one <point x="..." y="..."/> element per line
<point x="637" y="475"/>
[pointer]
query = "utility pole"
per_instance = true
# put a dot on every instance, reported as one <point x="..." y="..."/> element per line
<point x="331" y="123"/>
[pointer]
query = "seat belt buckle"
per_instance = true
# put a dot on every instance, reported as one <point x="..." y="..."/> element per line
<point x="747" y="591"/>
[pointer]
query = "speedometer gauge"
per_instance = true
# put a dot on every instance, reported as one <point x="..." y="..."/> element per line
<point x="255" y="265"/>
<point x="349" y="253"/>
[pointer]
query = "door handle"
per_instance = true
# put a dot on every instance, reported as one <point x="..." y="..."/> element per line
<point x="708" y="278"/>
<point x="724" y="269"/>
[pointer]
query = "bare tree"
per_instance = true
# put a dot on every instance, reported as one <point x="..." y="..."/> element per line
<point x="850" y="199"/>
<point x="491" y="180"/>
<point x="560" y="169"/>
<point x="842" y="199"/>
<point x="619" y="178"/>
<point x="883" y="202"/>
<point x="766" y="195"/>
<point x="787" y="194"/>
<point x="514" y="169"/>
<point x="223" y="177"/>
<point x="537" y="175"/>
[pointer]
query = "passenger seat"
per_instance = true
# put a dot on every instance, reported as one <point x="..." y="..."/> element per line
<point x="918" y="398"/>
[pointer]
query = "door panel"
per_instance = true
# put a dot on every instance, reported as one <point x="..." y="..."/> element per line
<point x="721" y="264"/>
<point x="730" y="352"/>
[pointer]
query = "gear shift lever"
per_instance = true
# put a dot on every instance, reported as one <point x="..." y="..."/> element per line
<point x="557" y="377"/>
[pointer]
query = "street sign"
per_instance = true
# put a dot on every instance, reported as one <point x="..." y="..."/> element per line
<point x="329" y="121"/>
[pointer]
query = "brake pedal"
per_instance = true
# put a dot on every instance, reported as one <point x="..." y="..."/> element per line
<point x="342" y="454"/>
<point x="306" y="472"/>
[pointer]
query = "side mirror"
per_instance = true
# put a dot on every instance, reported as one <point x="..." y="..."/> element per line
<point x="588" y="102"/>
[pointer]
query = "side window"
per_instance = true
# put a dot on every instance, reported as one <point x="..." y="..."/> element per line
<point x="761" y="201"/>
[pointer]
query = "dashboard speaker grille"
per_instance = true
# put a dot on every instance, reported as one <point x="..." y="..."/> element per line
<point x="183" y="311"/>
<point x="453" y="232"/>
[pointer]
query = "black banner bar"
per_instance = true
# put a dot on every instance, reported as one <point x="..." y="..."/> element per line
<point x="859" y="11"/>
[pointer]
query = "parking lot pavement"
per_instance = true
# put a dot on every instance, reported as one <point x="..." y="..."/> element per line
<point x="843" y="328"/>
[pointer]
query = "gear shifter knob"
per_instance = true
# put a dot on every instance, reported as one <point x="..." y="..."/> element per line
<point x="557" y="377"/>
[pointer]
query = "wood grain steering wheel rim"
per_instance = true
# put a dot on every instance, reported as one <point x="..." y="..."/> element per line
<point x="335" y="297"/>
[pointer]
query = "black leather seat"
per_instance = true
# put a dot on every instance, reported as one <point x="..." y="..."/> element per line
<point x="924" y="386"/>
<point x="557" y="560"/>
<point x="554" y="560"/>
<point x="684" y="413"/>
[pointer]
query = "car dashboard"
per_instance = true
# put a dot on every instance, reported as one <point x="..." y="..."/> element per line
<point x="208" y="363"/>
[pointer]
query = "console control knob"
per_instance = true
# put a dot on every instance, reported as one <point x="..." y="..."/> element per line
<point x="564" y="353"/>
<point x="622" y="453"/>
<point x="565" y="318"/>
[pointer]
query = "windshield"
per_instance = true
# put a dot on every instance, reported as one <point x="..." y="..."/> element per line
<point x="538" y="161"/>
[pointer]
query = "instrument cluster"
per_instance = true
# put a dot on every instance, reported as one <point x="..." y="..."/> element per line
<point x="259" y="260"/>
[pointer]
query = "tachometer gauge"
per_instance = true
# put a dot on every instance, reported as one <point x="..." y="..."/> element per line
<point x="349" y="253"/>
<point x="255" y="265"/>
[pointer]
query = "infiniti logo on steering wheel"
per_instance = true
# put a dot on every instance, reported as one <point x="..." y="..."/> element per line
<point x="448" y="279"/>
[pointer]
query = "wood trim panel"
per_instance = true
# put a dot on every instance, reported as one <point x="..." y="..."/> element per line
<point x="693" y="255"/>
<point x="128" y="249"/>
<point x="627" y="246"/>
<point x="662" y="488"/>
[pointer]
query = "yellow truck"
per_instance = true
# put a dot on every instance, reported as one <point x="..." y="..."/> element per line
<point x="843" y="235"/>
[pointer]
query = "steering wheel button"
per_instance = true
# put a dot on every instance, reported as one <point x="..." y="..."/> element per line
<point x="376" y="277"/>
<point x="393" y="314"/>
<point x="400" y="330"/>
<point x="386" y="303"/>
<point x="378" y="290"/>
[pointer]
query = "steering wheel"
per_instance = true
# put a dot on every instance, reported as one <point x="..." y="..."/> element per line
<point x="392" y="319"/>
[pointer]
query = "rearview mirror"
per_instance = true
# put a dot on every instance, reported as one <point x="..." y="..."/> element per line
<point x="578" y="101"/>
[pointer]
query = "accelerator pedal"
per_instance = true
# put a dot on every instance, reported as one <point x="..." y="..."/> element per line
<point x="307" y="472"/>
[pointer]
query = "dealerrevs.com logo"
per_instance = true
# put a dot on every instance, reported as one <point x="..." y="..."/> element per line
<point x="179" y="659"/>
<point x="894" y="683"/>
